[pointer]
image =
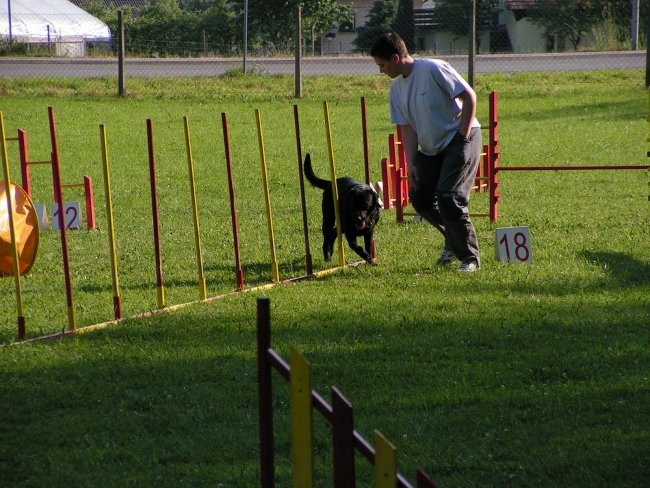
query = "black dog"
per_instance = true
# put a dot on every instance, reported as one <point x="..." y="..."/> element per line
<point x="359" y="208"/>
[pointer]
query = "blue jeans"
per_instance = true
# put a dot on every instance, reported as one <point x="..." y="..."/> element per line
<point x="444" y="183"/>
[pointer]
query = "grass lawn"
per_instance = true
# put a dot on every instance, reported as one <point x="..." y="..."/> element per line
<point x="518" y="375"/>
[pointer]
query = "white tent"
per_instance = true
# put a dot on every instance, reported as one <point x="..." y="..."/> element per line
<point x="49" y="21"/>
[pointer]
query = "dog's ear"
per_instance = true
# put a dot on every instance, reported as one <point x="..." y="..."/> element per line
<point x="376" y="199"/>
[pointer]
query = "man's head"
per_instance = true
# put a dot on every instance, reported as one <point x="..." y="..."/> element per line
<point x="389" y="53"/>
<point x="387" y="46"/>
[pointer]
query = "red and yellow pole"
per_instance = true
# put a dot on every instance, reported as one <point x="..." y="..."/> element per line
<point x="195" y="213"/>
<point x="335" y="191"/>
<point x="117" y="299"/>
<point x="267" y="198"/>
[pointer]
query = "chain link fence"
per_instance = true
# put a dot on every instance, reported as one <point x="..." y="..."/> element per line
<point x="188" y="38"/>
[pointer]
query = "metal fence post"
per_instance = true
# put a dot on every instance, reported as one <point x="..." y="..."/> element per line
<point x="120" y="53"/>
<point x="472" y="44"/>
<point x="298" y="67"/>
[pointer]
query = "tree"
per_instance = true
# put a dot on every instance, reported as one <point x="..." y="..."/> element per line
<point x="568" y="20"/>
<point x="321" y="15"/>
<point x="454" y="16"/>
<point x="404" y="23"/>
<point x="380" y="21"/>
<point x="272" y="23"/>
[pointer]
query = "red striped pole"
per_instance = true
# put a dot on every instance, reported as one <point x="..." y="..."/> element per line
<point x="366" y="162"/>
<point x="239" y="273"/>
<point x="366" y="144"/>
<point x="58" y="192"/>
<point x="155" y="213"/>
<point x="303" y="203"/>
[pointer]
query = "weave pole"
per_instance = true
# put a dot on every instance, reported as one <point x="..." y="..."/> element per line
<point x="267" y="198"/>
<point x="335" y="191"/>
<point x="58" y="197"/>
<point x="366" y="144"/>
<point x="366" y="162"/>
<point x="117" y="299"/>
<point x="203" y="294"/>
<point x="155" y="214"/>
<point x="303" y="203"/>
<point x="239" y="272"/>
<point x="22" y="329"/>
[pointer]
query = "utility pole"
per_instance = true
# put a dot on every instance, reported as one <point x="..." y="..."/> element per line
<point x="635" y="25"/>
<point x="298" y="63"/>
<point x="121" y="54"/>
<point x="472" y="44"/>
<point x="245" y="33"/>
<point x="9" y="19"/>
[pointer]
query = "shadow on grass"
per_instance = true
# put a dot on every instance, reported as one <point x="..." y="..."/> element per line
<point x="623" y="268"/>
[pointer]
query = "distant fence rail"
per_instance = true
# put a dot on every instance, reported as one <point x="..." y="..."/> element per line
<point x="35" y="67"/>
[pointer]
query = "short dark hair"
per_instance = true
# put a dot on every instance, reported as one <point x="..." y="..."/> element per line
<point x="388" y="45"/>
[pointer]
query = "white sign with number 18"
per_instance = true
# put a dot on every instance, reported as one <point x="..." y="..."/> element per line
<point x="513" y="245"/>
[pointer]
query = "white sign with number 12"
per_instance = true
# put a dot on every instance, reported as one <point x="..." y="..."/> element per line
<point x="513" y="245"/>
<point x="71" y="216"/>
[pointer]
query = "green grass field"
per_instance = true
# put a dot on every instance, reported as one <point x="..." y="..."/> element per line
<point x="518" y="375"/>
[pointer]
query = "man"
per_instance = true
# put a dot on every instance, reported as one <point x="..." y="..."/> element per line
<point x="435" y="109"/>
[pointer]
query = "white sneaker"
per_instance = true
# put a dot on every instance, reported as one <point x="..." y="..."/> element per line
<point x="447" y="257"/>
<point x="468" y="267"/>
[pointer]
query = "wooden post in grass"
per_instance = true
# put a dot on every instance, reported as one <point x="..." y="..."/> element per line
<point x="342" y="440"/>
<point x="366" y="162"/>
<point x="58" y="197"/>
<point x="155" y="214"/>
<point x="385" y="462"/>
<point x="24" y="164"/>
<point x="203" y="294"/>
<point x="267" y="199"/>
<point x="265" y="393"/>
<point x="366" y="144"/>
<point x="302" y="435"/>
<point x="239" y="272"/>
<point x="117" y="299"/>
<point x="303" y="203"/>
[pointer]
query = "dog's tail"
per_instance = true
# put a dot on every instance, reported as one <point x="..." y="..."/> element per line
<point x="312" y="178"/>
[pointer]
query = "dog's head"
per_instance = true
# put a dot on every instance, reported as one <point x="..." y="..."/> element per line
<point x="364" y="206"/>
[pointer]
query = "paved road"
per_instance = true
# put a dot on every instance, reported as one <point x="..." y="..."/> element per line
<point x="340" y="65"/>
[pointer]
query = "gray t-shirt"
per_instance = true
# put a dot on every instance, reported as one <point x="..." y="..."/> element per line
<point x="426" y="100"/>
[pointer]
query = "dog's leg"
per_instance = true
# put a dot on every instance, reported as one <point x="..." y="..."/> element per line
<point x="352" y="241"/>
<point x="329" y="237"/>
<point x="367" y="240"/>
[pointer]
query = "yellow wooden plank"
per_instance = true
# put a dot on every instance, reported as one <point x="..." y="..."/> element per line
<point x="385" y="462"/>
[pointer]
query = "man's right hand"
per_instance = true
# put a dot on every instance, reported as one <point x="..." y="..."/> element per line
<point x="413" y="176"/>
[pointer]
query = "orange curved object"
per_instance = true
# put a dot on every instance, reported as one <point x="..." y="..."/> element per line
<point x="26" y="229"/>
